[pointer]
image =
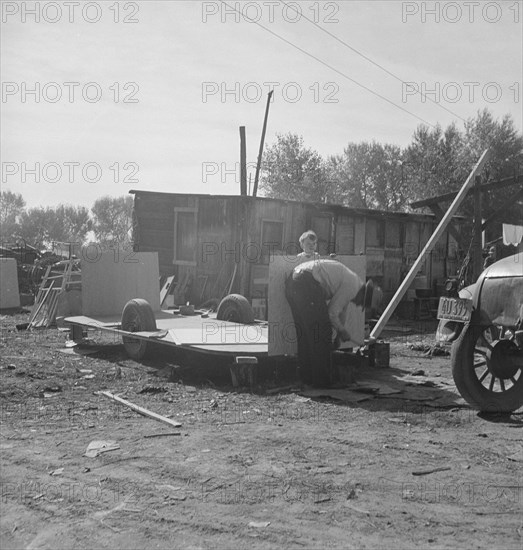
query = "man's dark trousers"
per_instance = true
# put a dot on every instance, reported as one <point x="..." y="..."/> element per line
<point x="313" y="328"/>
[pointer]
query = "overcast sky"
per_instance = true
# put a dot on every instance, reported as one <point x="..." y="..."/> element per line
<point x="150" y="95"/>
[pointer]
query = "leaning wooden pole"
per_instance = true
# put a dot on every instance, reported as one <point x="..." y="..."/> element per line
<point x="389" y="310"/>
<point x="262" y="141"/>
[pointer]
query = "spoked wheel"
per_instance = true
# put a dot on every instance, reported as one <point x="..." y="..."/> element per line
<point x="487" y="371"/>
<point x="137" y="316"/>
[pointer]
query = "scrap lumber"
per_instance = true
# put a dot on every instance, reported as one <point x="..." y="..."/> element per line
<point x="46" y="303"/>
<point x="431" y="471"/>
<point x="164" y="291"/>
<point x="219" y="283"/>
<point x="231" y="282"/>
<point x="203" y="286"/>
<point x="40" y="301"/>
<point x="141" y="410"/>
<point x="46" y="313"/>
<point x="181" y="288"/>
<point x="167" y="434"/>
<point x="41" y="289"/>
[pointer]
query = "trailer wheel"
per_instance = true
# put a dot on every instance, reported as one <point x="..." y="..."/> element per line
<point x="137" y="316"/>
<point x="235" y="308"/>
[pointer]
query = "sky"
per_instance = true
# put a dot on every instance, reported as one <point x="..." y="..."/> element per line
<point x="102" y="97"/>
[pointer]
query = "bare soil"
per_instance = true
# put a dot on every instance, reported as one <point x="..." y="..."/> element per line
<point x="400" y="462"/>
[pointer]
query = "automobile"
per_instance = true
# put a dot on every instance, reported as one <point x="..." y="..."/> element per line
<point x="484" y="323"/>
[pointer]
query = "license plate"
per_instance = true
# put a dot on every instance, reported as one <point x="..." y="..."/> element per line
<point x="454" y="309"/>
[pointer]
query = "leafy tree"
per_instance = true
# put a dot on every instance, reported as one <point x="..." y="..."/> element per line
<point x="63" y="223"/>
<point x="369" y="175"/>
<point x="501" y="137"/>
<point x="293" y="171"/>
<point x="438" y="161"/>
<point x="351" y="171"/>
<point x="12" y="206"/>
<point x="372" y="175"/>
<point x="390" y="190"/>
<point x="433" y="162"/>
<point x="112" y="219"/>
<point x="506" y="159"/>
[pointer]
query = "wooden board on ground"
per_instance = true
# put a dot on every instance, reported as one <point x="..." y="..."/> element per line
<point x="282" y="333"/>
<point x="113" y="279"/>
<point x="141" y="410"/>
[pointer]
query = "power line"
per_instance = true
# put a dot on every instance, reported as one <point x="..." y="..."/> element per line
<point x="335" y="70"/>
<point x="398" y="78"/>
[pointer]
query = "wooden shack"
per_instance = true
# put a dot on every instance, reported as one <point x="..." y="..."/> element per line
<point x="220" y="244"/>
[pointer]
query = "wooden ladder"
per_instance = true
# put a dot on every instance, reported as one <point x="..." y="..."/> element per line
<point x="52" y="286"/>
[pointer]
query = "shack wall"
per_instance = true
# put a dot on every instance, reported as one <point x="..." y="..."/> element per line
<point x="217" y="244"/>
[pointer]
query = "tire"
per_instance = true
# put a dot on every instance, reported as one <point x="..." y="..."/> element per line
<point x="137" y="316"/>
<point x="235" y="308"/>
<point x="489" y="381"/>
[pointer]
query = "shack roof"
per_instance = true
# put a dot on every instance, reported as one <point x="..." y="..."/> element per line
<point x="332" y="207"/>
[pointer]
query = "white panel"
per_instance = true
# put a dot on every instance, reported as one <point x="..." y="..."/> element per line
<point x="115" y="278"/>
<point x="9" y="294"/>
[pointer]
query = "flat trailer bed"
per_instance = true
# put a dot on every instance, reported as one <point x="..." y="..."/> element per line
<point x="200" y="333"/>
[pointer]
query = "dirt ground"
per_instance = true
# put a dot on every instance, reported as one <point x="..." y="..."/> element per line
<point x="396" y="461"/>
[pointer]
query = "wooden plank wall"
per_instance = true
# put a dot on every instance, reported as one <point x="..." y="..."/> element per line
<point x="154" y="229"/>
<point x="256" y="272"/>
<point x="218" y="247"/>
<point x="393" y="256"/>
<point x="345" y="226"/>
<point x="256" y="266"/>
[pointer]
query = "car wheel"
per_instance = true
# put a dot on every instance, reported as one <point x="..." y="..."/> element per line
<point x="137" y="316"/>
<point x="487" y="372"/>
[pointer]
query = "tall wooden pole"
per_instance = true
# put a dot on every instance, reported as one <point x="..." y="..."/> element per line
<point x="389" y="310"/>
<point x="243" y="162"/>
<point x="477" y="243"/>
<point x="262" y="141"/>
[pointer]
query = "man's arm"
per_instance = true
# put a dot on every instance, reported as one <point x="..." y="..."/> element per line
<point x="337" y="306"/>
